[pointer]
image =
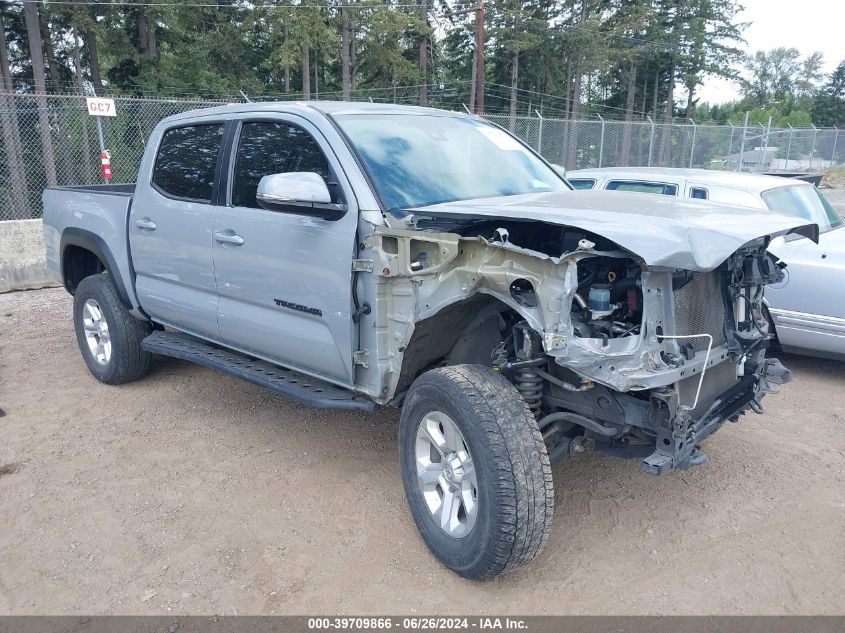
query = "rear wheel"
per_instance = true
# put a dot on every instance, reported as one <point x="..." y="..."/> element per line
<point x="108" y="336"/>
<point x="475" y="470"/>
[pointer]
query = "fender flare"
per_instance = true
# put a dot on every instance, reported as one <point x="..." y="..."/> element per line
<point x="92" y="242"/>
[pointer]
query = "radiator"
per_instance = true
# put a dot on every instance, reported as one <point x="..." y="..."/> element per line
<point x="700" y="309"/>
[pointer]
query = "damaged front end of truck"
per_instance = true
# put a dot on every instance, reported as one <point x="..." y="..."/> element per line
<point x="640" y="338"/>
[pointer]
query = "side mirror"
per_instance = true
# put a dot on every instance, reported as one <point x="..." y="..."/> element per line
<point x="560" y="169"/>
<point x="299" y="192"/>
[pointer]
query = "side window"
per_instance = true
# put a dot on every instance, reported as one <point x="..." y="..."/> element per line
<point x="268" y="148"/>
<point x="187" y="160"/>
<point x="582" y="183"/>
<point x="643" y="187"/>
<point x="698" y="193"/>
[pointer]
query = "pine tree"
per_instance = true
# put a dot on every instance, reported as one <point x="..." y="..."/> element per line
<point x="829" y="104"/>
<point x="19" y="202"/>
<point x="36" y="52"/>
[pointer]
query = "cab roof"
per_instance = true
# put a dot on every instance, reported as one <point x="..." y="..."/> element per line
<point x="312" y="107"/>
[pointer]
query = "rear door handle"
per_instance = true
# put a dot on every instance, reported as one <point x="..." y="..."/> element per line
<point x="229" y="237"/>
<point x="146" y="224"/>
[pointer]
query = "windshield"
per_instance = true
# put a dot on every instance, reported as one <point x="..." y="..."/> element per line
<point x="803" y="202"/>
<point x="417" y="160"/>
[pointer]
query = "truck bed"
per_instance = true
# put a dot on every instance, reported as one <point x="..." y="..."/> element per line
<point x="92" y="217"/>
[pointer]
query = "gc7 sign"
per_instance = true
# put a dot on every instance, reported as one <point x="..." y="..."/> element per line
<point x="98" y="106"/>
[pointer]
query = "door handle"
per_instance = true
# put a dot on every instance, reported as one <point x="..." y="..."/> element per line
<point x="145" y="224"/>
<point x="229" y="237"/>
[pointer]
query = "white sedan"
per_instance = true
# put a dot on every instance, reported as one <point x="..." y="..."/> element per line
<point x="808" y="310"/>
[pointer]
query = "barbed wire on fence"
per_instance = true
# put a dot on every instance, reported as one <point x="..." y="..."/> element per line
<point x="68" y="154"/>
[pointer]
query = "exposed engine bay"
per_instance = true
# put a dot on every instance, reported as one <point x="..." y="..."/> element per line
<point x="608" y="301"/>
<point x="717" y="312"/>
<point x="607" y="351"/>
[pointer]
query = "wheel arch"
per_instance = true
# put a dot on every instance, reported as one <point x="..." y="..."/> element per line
<point x="82" y="254"/>
<point x="458" y="333"/>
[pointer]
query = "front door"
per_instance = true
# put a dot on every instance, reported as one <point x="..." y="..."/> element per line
<point x="285" y="280"/>
<point x="170" y="228"/>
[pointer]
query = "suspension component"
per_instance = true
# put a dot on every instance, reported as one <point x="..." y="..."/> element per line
<point x="526" y="379"/>
<point x="530" y="386"/>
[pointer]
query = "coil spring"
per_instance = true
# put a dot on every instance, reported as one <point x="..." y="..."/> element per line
<point x="530" y="386"/>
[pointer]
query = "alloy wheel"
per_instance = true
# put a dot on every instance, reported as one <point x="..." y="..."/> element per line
<point x="446" y="474"/>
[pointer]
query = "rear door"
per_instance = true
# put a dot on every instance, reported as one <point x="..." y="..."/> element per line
<point x="285" y="280"/>
<point x="170" y="229"/>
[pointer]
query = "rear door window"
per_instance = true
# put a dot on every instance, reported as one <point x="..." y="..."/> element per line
<point x="582" y="183"/>
<point x="267" y="147"/>
<point x="642" y="186"/>
<point x="698" y="193"/>
<point x="186" y="162"/>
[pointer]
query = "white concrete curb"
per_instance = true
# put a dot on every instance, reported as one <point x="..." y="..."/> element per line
<point x="22" y="262"/>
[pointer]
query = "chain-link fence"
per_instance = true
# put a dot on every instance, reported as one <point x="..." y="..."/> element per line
<point x="52" y="140"/>
<point x="589" y="144"/>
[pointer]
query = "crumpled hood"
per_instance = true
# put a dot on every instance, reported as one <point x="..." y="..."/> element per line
<point x="662" y="230"/>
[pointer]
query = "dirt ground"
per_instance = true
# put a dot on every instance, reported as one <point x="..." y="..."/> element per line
<point x="191" y="492"/>
<point x="834" y="191"/>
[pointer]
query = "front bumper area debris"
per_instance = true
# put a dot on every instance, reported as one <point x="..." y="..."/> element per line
<point x="680" y="434"/>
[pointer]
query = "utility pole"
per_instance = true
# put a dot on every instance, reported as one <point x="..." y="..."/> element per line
<point x="424" y="55"/>
<point x="479" y="57"/>
<point x="477" y="99"/>
<point x="472" y="84"/>
<point x="742" y="145"/>
<point x="766" y="142"/>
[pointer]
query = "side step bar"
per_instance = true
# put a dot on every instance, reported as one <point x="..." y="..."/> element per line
<point x="285" y="382"/>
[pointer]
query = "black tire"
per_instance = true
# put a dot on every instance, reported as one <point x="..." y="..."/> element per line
<point x="128" y="361"/>
<point x="515" y="495"/>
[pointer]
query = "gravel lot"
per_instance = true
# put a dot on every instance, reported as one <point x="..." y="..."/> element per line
<point x="191" y="492"/>
<point x="836" y="194"/>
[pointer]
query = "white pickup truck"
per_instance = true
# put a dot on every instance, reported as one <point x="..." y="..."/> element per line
<point x="354" y="256"/>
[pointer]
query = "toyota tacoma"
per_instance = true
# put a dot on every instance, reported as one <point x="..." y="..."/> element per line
<point x="362" y="255"/>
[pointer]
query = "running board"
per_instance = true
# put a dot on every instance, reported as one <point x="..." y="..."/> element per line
<point x="286" y="382"/>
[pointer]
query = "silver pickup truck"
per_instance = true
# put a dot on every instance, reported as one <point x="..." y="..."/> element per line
<point x="353" y="256"/>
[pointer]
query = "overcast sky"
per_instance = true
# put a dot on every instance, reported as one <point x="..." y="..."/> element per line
<point x="808" y="25"/>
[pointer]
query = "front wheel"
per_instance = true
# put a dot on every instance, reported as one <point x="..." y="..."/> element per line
<point x="475" y="470"/>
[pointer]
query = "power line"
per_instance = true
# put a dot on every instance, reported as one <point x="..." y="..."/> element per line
<point x="568" y="100"/>
<point x="248" y="7"/>
<point x="548" y="103"/>
<point x="267" y="93"/>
